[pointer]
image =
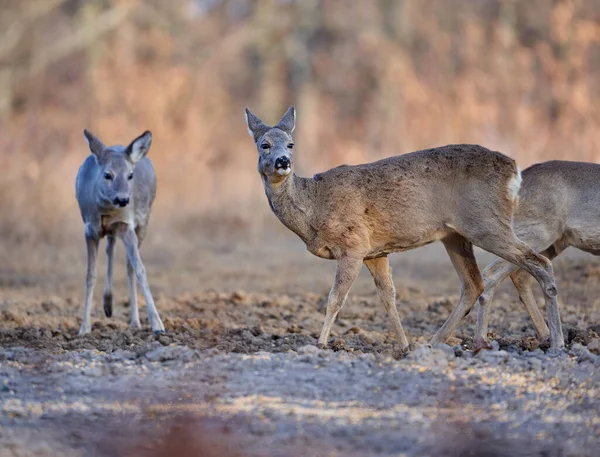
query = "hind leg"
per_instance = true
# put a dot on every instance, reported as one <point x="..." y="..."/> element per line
<point x="460" y="251"/>
<point x="505" y="244"/>
<point x="90" y="281"/>
<point x="522" y="281"/>
<point x="382" y="275"/>
<point x="107" y="295"/>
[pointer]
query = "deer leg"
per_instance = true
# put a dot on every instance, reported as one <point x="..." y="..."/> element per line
<point x="382" y="275"/>
<point x="346" y="273"/>
<point x="107" y="296"/>
<point x="460" y="251"/>
<point x="522" y="282"/>
<point x="90" y="281"/>
<point x="515" y="251"/>
<point x="493" y="275"/>
<point x="133" y="304"/>
<point x="130" y="241"/>
<point x="132" y="283"/>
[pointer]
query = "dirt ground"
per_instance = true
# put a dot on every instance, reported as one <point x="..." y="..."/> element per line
<point x="238" y="372"/>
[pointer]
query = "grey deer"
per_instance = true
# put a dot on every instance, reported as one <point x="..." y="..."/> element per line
<point x="461" y="195"/>
<point x="115" y="189"/>
<point x="559" y="206"/>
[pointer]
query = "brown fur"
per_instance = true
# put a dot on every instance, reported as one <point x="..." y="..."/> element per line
<point x="458" y="194"/>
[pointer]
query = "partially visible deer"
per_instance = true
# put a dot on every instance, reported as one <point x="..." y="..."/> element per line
<point x="559" y="206"/>
<point x="461" y="195"/>
<point x="115" y="189"/>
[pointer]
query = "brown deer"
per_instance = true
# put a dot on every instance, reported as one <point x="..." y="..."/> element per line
<point x="559" y="206"/>
<point x="115" y="189"/>
<point x="461" y="195"/>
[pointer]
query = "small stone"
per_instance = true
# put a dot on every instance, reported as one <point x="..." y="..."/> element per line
<point x="453" y="341"/>
<point x="370" y="357"/>
<point x="493" y="357"/>
<point x="557" y="352"/>
<point x="239" y="296"/>
<point x="120" y="355"/>
<point x="162" y="354"/>
<point x="535" y="364"/>
<point x="446" y="349"/>
<point x="294" y="329"/>
<point x="308" y="349"/>
<point x="576" y="349"/>
<point x="339" y="345"/>
<point x="428" y="356"/>
<point x="582" y="353"/>
<point x="594" y="345"/>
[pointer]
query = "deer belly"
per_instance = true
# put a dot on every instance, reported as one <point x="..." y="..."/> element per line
<point x="405" y="244"/>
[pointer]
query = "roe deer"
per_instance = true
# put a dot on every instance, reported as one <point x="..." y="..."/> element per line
<point x="115" y="189"/>
<point x="559" y="206"/>
<point x="461" y="195"/>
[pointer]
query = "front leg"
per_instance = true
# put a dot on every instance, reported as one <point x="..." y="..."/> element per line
<point x="130" y="241"/>
<point x="382" y="275"/>
<point x="134" y="321"/>
<point x="107" y="296"/>
<point x="347" y="271"/>
<point x="90" y="281"/>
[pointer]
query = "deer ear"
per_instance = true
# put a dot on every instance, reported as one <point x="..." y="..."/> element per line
<point x="139" y="147"/>
<point x="256" y="127"/>
<point x="95" y="145"/>
<point x="288" y="121"/>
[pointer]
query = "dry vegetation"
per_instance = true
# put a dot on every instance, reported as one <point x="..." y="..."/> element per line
<point x="369" y="79"/>
<point x="238" y="372"/>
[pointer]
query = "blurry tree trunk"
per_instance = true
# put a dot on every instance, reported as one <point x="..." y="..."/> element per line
<point x="308" y="22"/>
<point x="271" y="76"/>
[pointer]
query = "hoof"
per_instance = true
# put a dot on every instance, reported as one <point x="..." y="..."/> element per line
<point x="481" y="344"/>
<point x="107" y="302"/>
<point x="160" y="332"/>
<point x="404" y="349"/>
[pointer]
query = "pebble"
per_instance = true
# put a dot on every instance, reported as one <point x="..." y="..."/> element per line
<point x="309" y="349"/>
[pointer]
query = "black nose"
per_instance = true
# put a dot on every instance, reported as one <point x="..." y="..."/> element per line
<point x="118" y="201"/>
<point x="282" y="162"/>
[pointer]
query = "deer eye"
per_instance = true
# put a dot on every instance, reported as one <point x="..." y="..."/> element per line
<point x="291" y="146"/>
<point x="108" y="176"/>
<point x="265" y="146"/>
<point x="129" y="176"/>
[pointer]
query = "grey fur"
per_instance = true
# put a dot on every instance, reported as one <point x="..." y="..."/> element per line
<point x="559" y="206"/>
<point x="115" y="189"/>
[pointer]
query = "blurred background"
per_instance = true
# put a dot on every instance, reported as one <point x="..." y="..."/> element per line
<point x="369" y="79"/>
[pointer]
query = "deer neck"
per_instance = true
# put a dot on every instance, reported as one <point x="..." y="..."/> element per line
<point x="290" y="201"/>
